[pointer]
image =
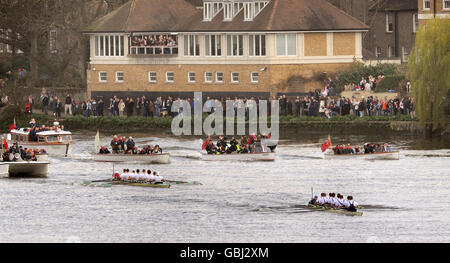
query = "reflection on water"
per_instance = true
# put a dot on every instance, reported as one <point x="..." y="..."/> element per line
<point x="237" y="202"/>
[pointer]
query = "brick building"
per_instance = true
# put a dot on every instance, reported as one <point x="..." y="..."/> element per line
<point x="429" y="9"/>
<point x="220" y="47"/>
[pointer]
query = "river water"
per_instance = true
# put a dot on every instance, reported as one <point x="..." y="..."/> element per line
<point x="237" y="201"/>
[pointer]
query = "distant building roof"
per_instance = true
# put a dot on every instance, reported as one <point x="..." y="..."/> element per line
<point x="395" y="5"/>
<point x="186" y="16"/>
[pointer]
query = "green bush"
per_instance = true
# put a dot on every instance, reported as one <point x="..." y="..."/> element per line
<point x="391" y="82"/>
<point x="358" y="70"/>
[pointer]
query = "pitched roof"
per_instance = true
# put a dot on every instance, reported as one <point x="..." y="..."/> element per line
<point x="186" y="16"/>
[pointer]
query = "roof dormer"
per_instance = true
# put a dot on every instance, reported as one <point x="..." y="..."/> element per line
<point x="231" y="8"/>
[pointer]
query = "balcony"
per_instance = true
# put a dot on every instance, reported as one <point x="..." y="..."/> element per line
<point x="154" y="51"/>
<point x="153" y="45"/>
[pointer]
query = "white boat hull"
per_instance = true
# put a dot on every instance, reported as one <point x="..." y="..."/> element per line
<point x="369" y="156"/>
<point x="28" y="169"/>
<point x="163" y="158"/>
<point x="58" y="150"/>
<point x="4" y="169"/>
<point x="246" y="157"/>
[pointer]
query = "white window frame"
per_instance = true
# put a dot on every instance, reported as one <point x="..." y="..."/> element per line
<point x="209" y="48"/>
<point x="252" y="45"/>
<point x="117" y="51"/>
<point x="378" y="54"/>
<point x="52" y="40"/>
<point x="167" y="77"/>
<point x="230" y="46"/>
<point x="249" y="11"/>
<point x="227" y="11"/>
<point x="187" y="48"/>
<point x="150" y="80"/>
<point x="424" y="4"/>
<point x="217" y="77"/>
<point x="191" y="77"/>
<point x="443" y="4"/>
<point x="117" y="77"/>
<point x="210" y="80"/>
<point x="232" y="77"/>
<point x="286" y="46"/>
<point x="207" y="11"/>
<point x="405" y="53"/>
<point x="387" y="24"/>
<point x="391" y="52"/>
<point x="100" y="77"/>
<point x="415" y="22"/>
<point x="253" y="75"/>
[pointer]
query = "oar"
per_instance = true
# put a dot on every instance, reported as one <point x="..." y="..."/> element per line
<point x="182" y="182"/>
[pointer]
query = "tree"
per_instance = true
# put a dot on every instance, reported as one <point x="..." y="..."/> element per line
<point x="428" y="70"/>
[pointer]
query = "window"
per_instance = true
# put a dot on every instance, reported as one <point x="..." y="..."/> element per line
<point x="52" y="41"/>
<point x="235" y="45"/>
<point x="108" y="46"/>
<point x="191" y="46"/>
<point x="446" y="5"/>
<point x="191" y="77"/>
<point x="248" y="11"/>
<point x="208" y="77"/>
<point x="391" y="52"/>
<point x="227" y="11"/>
<point x="102" y="76"/>
<point x="415" y="22"/>
<point x="119" y="76"/>
<point x="237" y="7"/>
<point x="255" y="77"/>
<point x="213" y="45"/>
<point x="389" y="25"/>
<point x="152" y="77"/>
<point x="157" y="44"/>
<point x="378" y="52"/>
<point x="426" y="4"/>
<point x="234" y="77"/>
<point x="170" y="77"/>
<point x="257" y="45"/>
<point x="219" y="77"/>
<point x="286" y="44"/>
<point x="207" y="16"/>
<point x="259" y="7"/>
<point x="405" y="54"/>
<point x="217" y="7"/>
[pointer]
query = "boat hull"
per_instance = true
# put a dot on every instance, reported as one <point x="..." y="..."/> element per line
<point x="57" y="150"/>
<point x="246" y="157"/>
<point x="4" y="169"/>
<point x="141" y="184"/>
<point x="333" y="210"/>
<point x="28" y="169"/>
<point x="369" y="156"/>
<point x="163" y="158"/>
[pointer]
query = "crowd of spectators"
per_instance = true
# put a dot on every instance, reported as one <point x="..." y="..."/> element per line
<point x="154" y="41"/>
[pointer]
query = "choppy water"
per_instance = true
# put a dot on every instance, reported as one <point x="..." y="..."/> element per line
<point x="238" y="202"/>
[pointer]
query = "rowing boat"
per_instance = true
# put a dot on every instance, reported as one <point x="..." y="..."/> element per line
<point x="333" y="210"/>
<point x="366" y="156"/>
<point x="160" y="158"/>
<point x="164" y="185"/>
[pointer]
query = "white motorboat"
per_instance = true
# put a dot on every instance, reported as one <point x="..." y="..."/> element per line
<point x="158" y="158"/>
<point x="54" y="142"/>
<point x="246" y="157"/>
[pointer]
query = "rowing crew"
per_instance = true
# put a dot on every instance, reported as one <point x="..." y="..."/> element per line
<point x="144" y="176"/>
<point x="335" y="201"/>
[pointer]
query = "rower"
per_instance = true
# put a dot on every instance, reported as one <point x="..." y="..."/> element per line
<point x="351" y="205"/>
<point x="340" y="201"/>
<point x="314" y="200"/>
<point x="149" y="177"/>
<point x="322" y="199"/>
<point x="158" y="178"/>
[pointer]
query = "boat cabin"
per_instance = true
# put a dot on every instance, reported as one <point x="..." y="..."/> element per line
<point x="44" y="137"/>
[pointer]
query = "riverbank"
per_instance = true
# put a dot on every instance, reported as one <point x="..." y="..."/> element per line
<point x="341" y="124"/>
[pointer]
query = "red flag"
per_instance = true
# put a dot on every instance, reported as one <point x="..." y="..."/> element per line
<point x="5" y="145"/>
<point x="12" y="127"/>
<point x="205" y="143"/>
<point x="326" y="144"/>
